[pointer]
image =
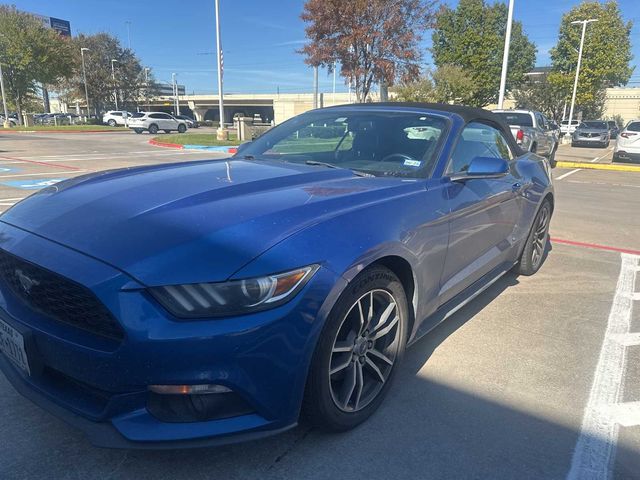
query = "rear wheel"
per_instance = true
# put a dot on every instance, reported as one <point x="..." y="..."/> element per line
<point x="111" y="123"/>
<point x="552" y="156"/>
<point x="358" y="352"/>
<point x="138" y="130"/>
<point x="153" y="129"/>
<point x="534" y="251"/>
<point x="182" y="128"/>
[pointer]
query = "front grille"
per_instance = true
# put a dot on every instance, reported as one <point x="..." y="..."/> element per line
<point x="57" y="297"/>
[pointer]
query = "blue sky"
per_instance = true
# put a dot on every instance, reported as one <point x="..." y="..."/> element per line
<point x="259" y="37"/>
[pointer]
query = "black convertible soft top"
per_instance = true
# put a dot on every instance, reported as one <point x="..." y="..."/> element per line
<point x="468" y="114"/>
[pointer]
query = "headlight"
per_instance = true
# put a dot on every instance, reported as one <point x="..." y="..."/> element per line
<point x="232" y="298"/>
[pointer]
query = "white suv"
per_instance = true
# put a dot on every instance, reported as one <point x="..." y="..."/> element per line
<point x="154" y="121"/>
<point x="116" y="117"/>
<point x="627" y="147"/>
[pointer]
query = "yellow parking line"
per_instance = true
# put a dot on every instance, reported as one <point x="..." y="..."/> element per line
<point x="599" y="166"/>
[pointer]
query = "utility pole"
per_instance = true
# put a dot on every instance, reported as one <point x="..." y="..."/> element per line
<point x="315" y="86"/>
<point x="505" y="56"/>
<point x="221" y="133"/>
<point x="4" y="101"/>
<point x="84" y="75"/>
<point x="113" y="77"/>
<point x="575" y="83"/>
<point x="128" y="24"/>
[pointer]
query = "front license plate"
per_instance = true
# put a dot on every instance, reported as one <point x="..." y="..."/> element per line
<point x="12" y="345"/>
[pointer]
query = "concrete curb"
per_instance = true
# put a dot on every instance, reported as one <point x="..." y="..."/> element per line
<point x="106" y="130"/>
<point x="220" y="149"/>
<point x="599" y="166"/>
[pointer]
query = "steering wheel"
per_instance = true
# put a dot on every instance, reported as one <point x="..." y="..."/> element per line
<point x="400" y="156"/>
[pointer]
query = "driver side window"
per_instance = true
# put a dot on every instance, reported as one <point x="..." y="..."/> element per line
<point x="478" y="140"/>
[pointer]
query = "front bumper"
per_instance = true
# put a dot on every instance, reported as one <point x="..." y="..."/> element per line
<point x="100" y="385"/>
<point x="589" y="141"/>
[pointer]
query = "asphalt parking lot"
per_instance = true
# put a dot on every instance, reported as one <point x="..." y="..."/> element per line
<point x="504" y="389"/>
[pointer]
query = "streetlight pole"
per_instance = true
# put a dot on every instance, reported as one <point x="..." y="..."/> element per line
<point x="505" y="56"/>
<point x="222" y="133"/>
<point x="146" y="87"/>
<point x="84" y="76"/>
<point x="113" y="76"/>
<point x="176" y="103"/>
<point x="6" y="123"/>
<point x="575" y="82"/>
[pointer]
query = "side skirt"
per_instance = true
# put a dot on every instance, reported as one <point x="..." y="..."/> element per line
<point x="460" y="300"/>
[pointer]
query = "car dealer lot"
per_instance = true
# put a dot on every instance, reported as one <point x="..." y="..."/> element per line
<point x="503" y="389"/>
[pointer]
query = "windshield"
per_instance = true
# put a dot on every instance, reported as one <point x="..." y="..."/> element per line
<point x="379" y="143"/>
<point x="598" y="125"/>
<point x="512" y="118"/>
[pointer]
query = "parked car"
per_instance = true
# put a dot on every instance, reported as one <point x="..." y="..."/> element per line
<point x="614" y="130"/>
<point x="155" y="121"/>
<point x="191" y="123"/>
<point x="211" y="301"/>
<point x="565" y="129"/>
<point x="531" y="131"/>
<point x="627" y="148"/>
<point x="116" y="117"/>
<point x="13" y="122"/>
<point x="591" y="133"/>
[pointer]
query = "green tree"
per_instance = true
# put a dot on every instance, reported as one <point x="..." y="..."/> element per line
<point x="546" y="96"/>
<point x="606" y="54"/>
<point x="373" y="40"/>
<point x="30" y="54"/>
<point x="471" y="37"/>
<point x="447" y="84"/>
<point x="129" y="74"/>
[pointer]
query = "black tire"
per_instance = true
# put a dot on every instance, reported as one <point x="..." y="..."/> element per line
<point x="320" y="406"/>
<point x="111" y="123"/>
<point x="182" y="128"/>
<point x="138" y="130"/>
<point x="535" y="248"/>
<point x="534" y="148"/>
<point x="153" y="129"/>
<point x="552" y="156"/>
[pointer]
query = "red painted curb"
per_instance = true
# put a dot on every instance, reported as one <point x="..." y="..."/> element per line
<point x="165" y="144"/>
<point x="595" y="245"/>
<point x="59" y="131"/>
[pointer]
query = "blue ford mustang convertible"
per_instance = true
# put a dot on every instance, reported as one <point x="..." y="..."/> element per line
<point x="210" y="302"/>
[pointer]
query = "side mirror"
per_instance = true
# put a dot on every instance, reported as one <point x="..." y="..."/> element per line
<point x="483" y="167"/>
<point x="242" y="147"/>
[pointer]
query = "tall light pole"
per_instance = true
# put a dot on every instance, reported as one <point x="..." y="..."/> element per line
<point x="146" y="86"/>
<point x="84" y="76"/>
<point x="113" y="76"/>
<point x="6" y="123"/>
<point x="315" y="86"/>
<point x="222" y="133"/>
<point x="575" y="82"/>
<point x="128" y="24"/>
<point x="176" y="103"/>
<point x="505" y="56"/>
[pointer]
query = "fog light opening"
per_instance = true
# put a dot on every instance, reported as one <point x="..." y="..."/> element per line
<point x="188" y="389"/>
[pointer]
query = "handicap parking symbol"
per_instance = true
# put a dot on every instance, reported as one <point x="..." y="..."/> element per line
<point x="34" y="184"/>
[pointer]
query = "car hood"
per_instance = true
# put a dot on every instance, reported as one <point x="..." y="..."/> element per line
<point x="193" y="222"/>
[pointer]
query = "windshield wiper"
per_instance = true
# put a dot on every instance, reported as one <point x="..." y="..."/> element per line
<point x="330" y="165"/>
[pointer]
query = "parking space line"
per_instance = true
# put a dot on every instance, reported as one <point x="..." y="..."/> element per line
<point x="567" y="174"/>
<point x="39" y="174"/>
<point x="39" y="163"/>
<point x="596" y="446"/>
<point x="596" y="246"/>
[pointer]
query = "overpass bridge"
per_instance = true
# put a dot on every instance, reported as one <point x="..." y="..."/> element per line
<point x="270" y="107"/>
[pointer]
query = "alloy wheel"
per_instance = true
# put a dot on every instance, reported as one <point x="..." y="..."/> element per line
<point x="539" y="238"/>
<point x="364" y="350"/>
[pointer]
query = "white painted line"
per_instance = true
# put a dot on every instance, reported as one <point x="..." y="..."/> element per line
<point x="596" y="446"/>
<point x="45" y="174"/>
<point x="567" y="174"/>
<point x="11" y="199"/>
<point x="626" y="414"/>
<point x="609" y="150"/>
<point x="628" y="340"/>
